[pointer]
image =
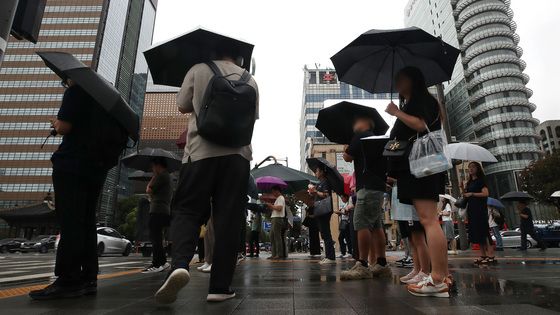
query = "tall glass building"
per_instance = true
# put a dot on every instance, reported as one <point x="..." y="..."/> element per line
<point x="105" y="34"/>
<point x="319" y="85"/>
<point x="487" y="99"/>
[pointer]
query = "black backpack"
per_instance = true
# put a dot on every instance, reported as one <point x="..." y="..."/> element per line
<point x="107" y="141"/>
<point x="228" y="112"/>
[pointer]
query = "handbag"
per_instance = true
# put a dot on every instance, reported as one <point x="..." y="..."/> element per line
<point x="428" y="155"/>
<point x="343" y="225"/>
<point x="461" y="203"/>
<point x="322" y="207"/>
<point x="396" y="148"/>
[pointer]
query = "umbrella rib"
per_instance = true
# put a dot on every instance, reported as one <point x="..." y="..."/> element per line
<point x="379" y="72"/>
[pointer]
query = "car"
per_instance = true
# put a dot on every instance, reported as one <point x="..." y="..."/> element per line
<point x="10" y="244"/>
<point x="549" y="233"/>
<point x="109" y="241"/>
<point x="41" y="244"/>
<point x="512" y="239"/>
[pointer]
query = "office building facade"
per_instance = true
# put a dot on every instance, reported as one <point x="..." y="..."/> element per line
<point x="549" y="132"/>
<point x="487" y="99"/>
<point x="106" y="35"/>
<point x="319" y="85"/>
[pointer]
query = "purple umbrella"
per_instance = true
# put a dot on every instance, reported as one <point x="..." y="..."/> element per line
<point x="267" y="182"/>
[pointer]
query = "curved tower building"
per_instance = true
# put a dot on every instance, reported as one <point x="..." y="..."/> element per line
<point x="487" y="99"/>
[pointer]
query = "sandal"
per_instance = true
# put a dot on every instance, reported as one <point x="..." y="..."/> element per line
<point x="480" y="260"/>
<point x="490" y="260"/>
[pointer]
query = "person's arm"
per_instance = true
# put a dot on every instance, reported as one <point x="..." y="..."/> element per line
<point x="62" y="127"/>
<point x="412" y="122"/>
<point x="149" y="187"/>
<point x="484" y="193"/>
<point x="346" y="156"/>
<point x="447" y="211"/>
<point x="523" y="214"/>
<point x="69" y="111"/>
<point x="186" y="93"/>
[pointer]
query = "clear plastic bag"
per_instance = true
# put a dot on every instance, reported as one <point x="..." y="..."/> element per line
<point x="429" y="154"/>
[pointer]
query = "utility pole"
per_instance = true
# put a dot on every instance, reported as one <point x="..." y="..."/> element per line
<point x="8" y="10"/>
<point x="453" y="178"/>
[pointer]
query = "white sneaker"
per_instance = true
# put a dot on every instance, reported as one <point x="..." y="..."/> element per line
<point x="340" y="256"/>
<point x="204" y="266"/>
<point x="419" y="277"/>
<point x="327" y="261"/>
<point x="165" y="266"/>
<point x="409" y="276"/>
<point x="357" y="272"/>
<point x="178" y="279"/>
<point x="153" y="269"/>
<point x="240" y="258"/>
<point x="427" y="287"/>
<point x="347" y="256"/>
<point x="207" y="269"/>
<point x="380" y="271"/>
<point x="214" y="297"/>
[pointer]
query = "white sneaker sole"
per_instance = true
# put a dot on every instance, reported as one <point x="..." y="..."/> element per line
<point x="431" y="294"/>
<point x="167" y="294"/>
<point x="219" y="297"/>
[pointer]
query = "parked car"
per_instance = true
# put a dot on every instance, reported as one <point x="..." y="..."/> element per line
<point x="549" y="233"/>
<point x="41" y="244"/>
<point x="512" y="239"/>
<point x="10" y="244"/>
<point x="109" y="241"/>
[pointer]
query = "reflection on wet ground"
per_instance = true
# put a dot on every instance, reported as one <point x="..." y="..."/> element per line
<point x="518" y="284"/>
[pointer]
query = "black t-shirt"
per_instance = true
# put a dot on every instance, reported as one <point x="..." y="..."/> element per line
<point x="370" y="170"/>
<point x="323" y="187"/>
<point x="527" y="224"/>
<point x="426" y="108"/>
<point x="72" y="154"/>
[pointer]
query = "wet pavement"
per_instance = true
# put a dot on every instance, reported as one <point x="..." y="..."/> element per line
<point x="522" y="283"/>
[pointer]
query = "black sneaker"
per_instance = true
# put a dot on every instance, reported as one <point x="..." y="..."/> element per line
<point x="90" y="287"/>
<point x="57" y="291"/>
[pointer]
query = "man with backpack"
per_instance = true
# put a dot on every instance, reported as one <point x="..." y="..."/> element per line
<point x="92" y="143"/>
<point x="223" y="101"/>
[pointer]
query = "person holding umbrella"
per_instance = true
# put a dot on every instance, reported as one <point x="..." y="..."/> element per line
<point x="368" y="212"/>
<point x="527" y="226"/>
<point x="278" y="209"/>
<point x="213" y="171"/>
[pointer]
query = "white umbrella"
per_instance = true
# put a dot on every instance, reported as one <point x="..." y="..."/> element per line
<point x="556" y="194"/>
<point x="448" y="197"/>
<point x="469" y="152"/>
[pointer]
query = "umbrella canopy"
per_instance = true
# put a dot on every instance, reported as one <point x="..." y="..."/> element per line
<point x="448" y="197"/>
<point x="295" y="179"/>
<point x="372" y="60"/>
<point x="335" y="179"/>
<point x="469" y="152"/>
<point x="492" y="202"/>
<point x="267" y="182"/>
<point x="102" y="91"/>
<point x="140" y="176"/>
<point x="142" y="160"/>
<point x="171" y="60"/>
<point x="336" y="122"/>
<point x="556" y="194"/>
<point x="516" y="196"/>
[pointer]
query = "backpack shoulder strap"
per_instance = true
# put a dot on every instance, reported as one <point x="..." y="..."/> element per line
<point x="214" y="68"/>
<point x="245" y="77"/>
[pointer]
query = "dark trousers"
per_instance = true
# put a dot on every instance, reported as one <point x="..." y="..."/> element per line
<point x="221" y="181"/>
<point x="531" y="232"/>
<point x="243" y="235"/>
<point x="314" y="242"/>
<point x="200" y="249"/>
<point x="76" y="201"/>
<point x="254" y="243"/>
<point x="345" y="241"/>
<point x="324" y="223"/>
<point x="354" y="237"/>
<point x="158" y="222"/>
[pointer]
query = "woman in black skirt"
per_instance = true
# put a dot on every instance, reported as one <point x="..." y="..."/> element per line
<point x="418" y="110"/>
<point x="476" y="193"/>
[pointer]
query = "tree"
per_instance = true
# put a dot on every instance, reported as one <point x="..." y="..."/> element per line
<point x="128" y="228"/>
<point x="542" y="177"/>
<point x="124" y="207"/>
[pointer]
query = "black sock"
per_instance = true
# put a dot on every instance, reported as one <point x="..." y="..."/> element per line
<point x="364" y="263"/>
<point x="382" y="261"/>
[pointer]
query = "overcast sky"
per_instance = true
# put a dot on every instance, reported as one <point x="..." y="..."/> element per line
<point x="289" y="34"/>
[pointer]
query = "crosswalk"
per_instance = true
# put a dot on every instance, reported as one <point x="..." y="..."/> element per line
<point x="32" y="268"/>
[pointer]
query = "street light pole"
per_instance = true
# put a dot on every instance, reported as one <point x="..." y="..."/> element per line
<point x="8" y="10"/>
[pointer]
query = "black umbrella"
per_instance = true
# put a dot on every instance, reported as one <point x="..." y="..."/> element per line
<point x="371" y="60"/>
<point x="171" y="60"/>
<point x="102" y="91"/>
<point x="142" y="160"/>
<point x="516" y="196"/>
<point x="334" y="178"/>
<point x="295" y="179"/>
<point x="140" y="176"/>
<point x="336" y="122"/>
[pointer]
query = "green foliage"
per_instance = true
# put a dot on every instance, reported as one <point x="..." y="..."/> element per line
<point x="542" y="177"/>
<point x="128" y="228"/>
<point x="124" y="207"/>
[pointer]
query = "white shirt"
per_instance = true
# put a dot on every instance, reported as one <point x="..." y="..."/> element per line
<point x="280" y="201"/>
<point x="491" y="222"/>
<point x="448" y="217"/>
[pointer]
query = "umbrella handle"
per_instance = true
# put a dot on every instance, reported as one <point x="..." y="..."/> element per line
<point x="392" y="72"/>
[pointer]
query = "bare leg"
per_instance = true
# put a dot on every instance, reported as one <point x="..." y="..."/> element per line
<point x="378" y="242"/>
<point x="364" y="240"/>
<point x="415" y="260"/>
<point x="421" y="248"/>
<point x="437" y="245"/>
<point x="372" y="256"/>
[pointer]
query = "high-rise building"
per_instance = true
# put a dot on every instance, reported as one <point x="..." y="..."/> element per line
<point x="549" y="132"/>
<point x="162" y="123"/>
<point x="319" y="85"/>
<point x="487" y="99"/>
<point x="104" y="34"/>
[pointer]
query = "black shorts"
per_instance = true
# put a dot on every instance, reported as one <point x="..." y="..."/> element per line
<point x="406" y="229"/>
<point x="427" y="188"/>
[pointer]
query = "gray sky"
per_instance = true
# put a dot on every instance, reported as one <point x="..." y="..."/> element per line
<point x="287" y="37"/>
